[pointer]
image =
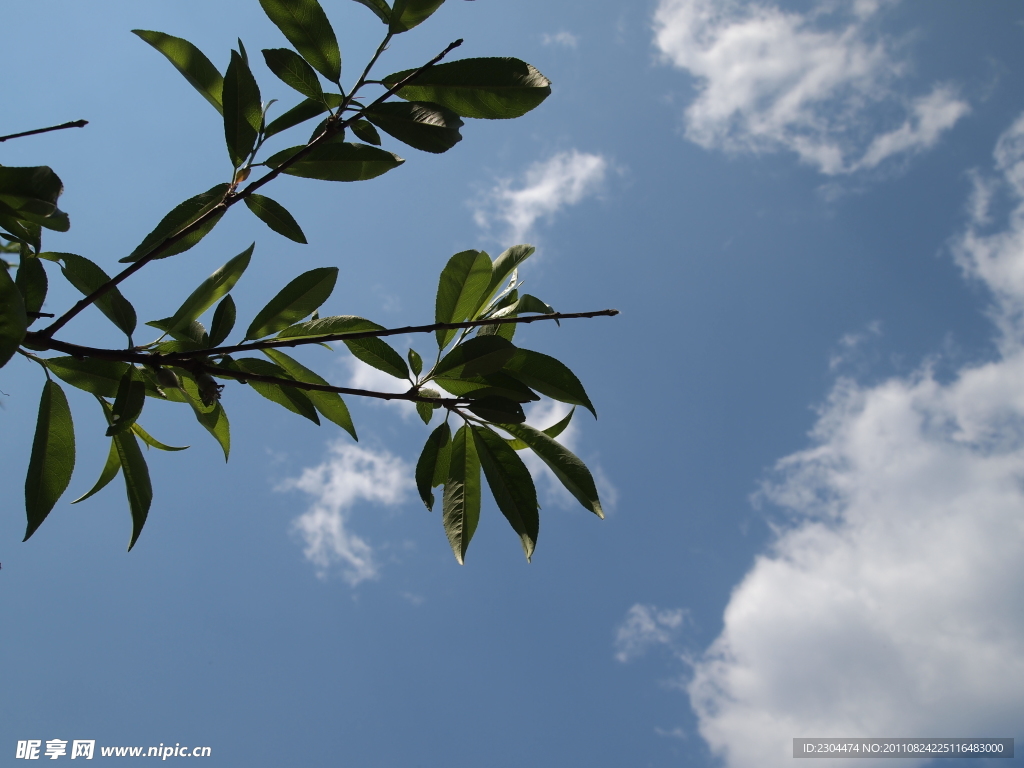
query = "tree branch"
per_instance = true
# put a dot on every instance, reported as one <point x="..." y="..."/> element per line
<point x="62" y="126"/>
<point x="231" y="199"/>
<point x="215" y="370"/>
<point x="273" y="343"/>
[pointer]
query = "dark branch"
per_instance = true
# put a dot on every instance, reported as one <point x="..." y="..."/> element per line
<point x="61" y="127"/>
<point x="243" y="377"/>
<point x="273" y="343"/>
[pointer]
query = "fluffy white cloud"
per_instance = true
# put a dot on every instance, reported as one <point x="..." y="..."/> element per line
<point x="889" y="603"/>
<point x="363" y="376"/>
<point x="350" y="475"/>
<point x="646" y="626"/>
<point x="546" y="187"/>
<point x="768" y="79"/>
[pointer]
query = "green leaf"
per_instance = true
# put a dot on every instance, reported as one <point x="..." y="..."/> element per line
<point x="432" y="467"/>
<point x="223" y="321"/>
<point x="549" y="377"/>
<point x="475" y="357"/>
<point x="305" y="25"/>
<point x="136" y="481"/>
<point x="411" y="13"/>
<point x="191" y="62"/>
<point x="13" y="320"/>
<point x="32" y="190"/>
<point x="86" y="276"/>
<point x="507" y="263"/>
<point x="243" y="110"/>
<point x="151" y="441"/>
<point x="183" y="215"/>
<point x="329" y="326"/>
<point x="379" y="7"/>
<point x="365" y="131"/>
<point x="420" y="124"/>
<point x="275" y="216"/>
<point x="32" y="283"/>
<point x="213" y="418"/>
<point x="98" y="377"/>
<point x="190" y="337"/>
<point x="293" y="71"/>
<point x="211" y="289"/>
<point x="489" y="88"/>
<point x="339" y="162"/>
<point x="463" y="281"/>
<point x="426" y="410"/>
<point x="553" y="431"/>
<point x="295" y="301"/>
<point x="303" y="111"/>
<point x="58" y="221"/>
<point x="380" y="355"/>
<point x="511" y="485"/>
<point x="329" y="404"/>
<point x="568" y="468"/>
<point x="109" y="472"/>
<point x="461" y="502"/>
<point x="492" y="385"/>
<point x="287" y="397"/>
<point x="53" y="456"/>
<point x="498" y="410"/>
<point x="415" y="361"/>
<point x="128" y="403"/>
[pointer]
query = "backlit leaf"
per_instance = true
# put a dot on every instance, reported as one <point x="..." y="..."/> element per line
<point x="53" y="456"/>
<point x="425" y="126"/>
<point x="294" y="71"/>
<point x="178" y="219"/>
<point x="461" y="501"/>
<point x="463" y="281"/>
<point x="275" y="216"/>
<point x="243" y="110"/>
<point x="108" y="473"/>
<point x="87" y="277"/>
<point x="341" y="161"/>
<point x="549" y="377"/>
<point x="211" y="289"/>
<point x="432" y="466"/>
<point x="13" y="320"/>
<point x="191" y="62"/>
<point x="305" y="25"/>
<point x="329" y="404"/>
<point x="511" y="486"/>
<point x="295" y="301"/>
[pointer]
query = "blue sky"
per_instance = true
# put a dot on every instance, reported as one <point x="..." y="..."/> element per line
<point x="811" y="216"/>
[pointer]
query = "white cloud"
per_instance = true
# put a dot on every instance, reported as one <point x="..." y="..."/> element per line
<point x="646" y="626"/>
<point x="889" y="602"/>
<point x="770" y="80"/>
<point x="566" y="39"/>
<point x="349" y="476"/>
<point x="363" y="376"/>
<point x="546" y="187"/>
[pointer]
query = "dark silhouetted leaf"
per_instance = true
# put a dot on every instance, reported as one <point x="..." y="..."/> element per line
<point x="53" y="456"/>
<point x="511" y="486"/>
<point x="32" y="283"/>
<point x="380" y="355"/>
<point x="499" y="410"/>
<point x="87" y="277"/>
<point x="461" y="501"/>
<point x="128" y="403"/>
<point x="549" y="377"/>
<point x="365" y="131"/>
<point x="191" y="62"/>
<point x="305" y="25"/>
<point x="489" y="88"/>
<point x="432" y="467"/>
<point x="475" y="357"/>
<point x="293" y="70"/>
<point x="463" y="281"/>
<point x="243" y="110"/>
<point x="303" y="111"/>
<point x="109" y="472"/>
<point x="425" y="126"/>
<point x="568" y="468"/>
<point x="295" y="301"/>
<point x="407" y="14"/>
<point x="339" y="162"/>
<point x="184" y="214"/>
<point x="13" y="320"/>
<point x="553" y="431"/>
<point x="223" y="321"/>
<point x="275" y="216"/>
<point x="329" y="404"/>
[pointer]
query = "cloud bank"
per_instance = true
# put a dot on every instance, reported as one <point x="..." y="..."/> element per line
<point x="547" y="187"/>
<point x="770" y="80"/>
<point x="889" y="604"/>
<point x="350" y="475"/>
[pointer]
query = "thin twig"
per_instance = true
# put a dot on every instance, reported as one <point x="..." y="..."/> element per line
<point x="61" y="127"/>
<point x="230" y="199"/>
<point x="274" y="343"/>
<point x="242" y="376"/>
<point x="34" y="338"/>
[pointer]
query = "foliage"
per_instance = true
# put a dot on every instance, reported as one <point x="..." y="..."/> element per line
<point x="478" y="376"/>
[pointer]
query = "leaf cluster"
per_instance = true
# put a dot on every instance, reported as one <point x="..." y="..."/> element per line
<point x="479" y="378"/>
